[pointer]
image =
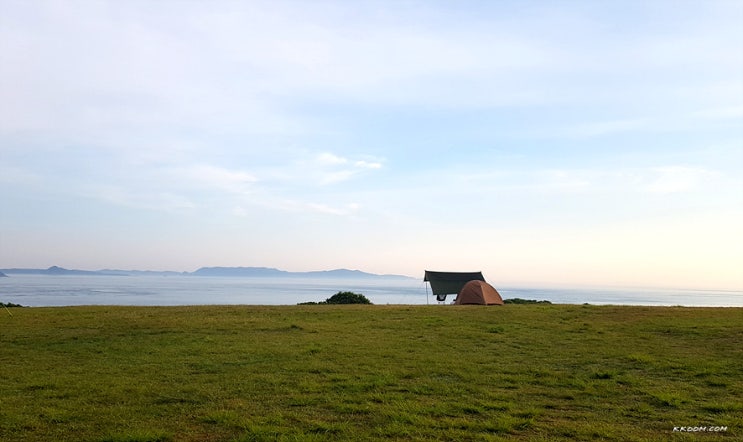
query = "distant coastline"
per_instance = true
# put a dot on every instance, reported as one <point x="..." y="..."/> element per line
<point x="252" y="272"/>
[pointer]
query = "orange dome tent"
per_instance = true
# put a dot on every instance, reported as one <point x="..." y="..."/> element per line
<point x="478" y="292"/>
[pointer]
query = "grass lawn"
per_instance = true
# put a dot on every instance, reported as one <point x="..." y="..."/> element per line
<point x="316" y="373"/>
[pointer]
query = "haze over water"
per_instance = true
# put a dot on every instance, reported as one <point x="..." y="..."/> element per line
<point x="38" y="290"/>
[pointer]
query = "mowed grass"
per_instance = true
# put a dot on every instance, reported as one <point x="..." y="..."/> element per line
<point x="316" y="373"/>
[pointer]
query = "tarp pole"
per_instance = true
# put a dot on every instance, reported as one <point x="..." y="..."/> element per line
<point x="426" y="284"/>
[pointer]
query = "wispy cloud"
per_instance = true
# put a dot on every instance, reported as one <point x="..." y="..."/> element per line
<point x="602" y="128"/>
<point x="212" y="177"/>
<point x="329" y="159"/>
<point x="282" y="204"/>
<point x="327" y="168"/>
<point x="148" y="199"/>
<point x="368" y="164"/>
<point x="723" y="113"/>
<point x="19" y="176"/>
<point x="339" y="211"/>
<point x="676" y="179"/>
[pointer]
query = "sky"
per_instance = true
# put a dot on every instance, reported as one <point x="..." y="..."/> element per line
<point x="576" y="143"/>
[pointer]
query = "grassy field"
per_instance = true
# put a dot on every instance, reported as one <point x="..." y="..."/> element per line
<point x="316" y="373"/>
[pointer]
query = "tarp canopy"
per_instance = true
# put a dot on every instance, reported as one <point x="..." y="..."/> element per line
<point x="450" y="283"/>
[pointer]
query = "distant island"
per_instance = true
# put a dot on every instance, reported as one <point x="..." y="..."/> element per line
<point x="251" y="272"/>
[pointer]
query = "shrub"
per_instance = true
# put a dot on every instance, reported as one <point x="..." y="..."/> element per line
<point x="347" y="298"/>
<point x="341" y="298"/>
<point x="524" y="301"/>
<point x="9" y="304"/>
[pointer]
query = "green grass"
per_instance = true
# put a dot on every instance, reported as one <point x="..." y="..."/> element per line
<point x="316" y="373"/>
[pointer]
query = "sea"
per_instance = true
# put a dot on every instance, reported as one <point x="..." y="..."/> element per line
<point x="174" y="290"/>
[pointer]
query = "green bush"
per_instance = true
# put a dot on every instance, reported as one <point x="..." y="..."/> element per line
<point x="342" y="298"/>
<point x="524" y="301"/>
<point x="347" y="298"/>
<point x="9" y="304"/>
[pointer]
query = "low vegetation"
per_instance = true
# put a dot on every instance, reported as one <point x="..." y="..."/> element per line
<point x="524" y="301"/>
<point x="343" y="298"/>
<point x="9" y="304"/>
<point x="357" y="372"/>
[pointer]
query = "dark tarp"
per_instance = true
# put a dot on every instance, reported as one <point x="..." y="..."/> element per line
<point x="449" y="283"/>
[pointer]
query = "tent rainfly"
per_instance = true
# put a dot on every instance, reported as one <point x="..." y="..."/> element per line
<point x="449" y="283"/>
<point x="478" y="292"/>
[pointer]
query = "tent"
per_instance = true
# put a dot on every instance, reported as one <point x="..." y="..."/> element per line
<point x="478" y="292"/>
<point x="449" y="283"/>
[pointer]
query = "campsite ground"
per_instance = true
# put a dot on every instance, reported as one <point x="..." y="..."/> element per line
<point x="222" y="373"/>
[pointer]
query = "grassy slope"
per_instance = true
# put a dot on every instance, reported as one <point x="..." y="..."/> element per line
<point x="532" y="372"/>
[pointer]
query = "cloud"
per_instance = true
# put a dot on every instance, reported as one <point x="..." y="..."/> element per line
<point x="602" y="128"/>
<point x="334" y="177"/>
<point x="103" y="69"/>
<point x="168" y="188"/>
<point x="339" y="211"/>
<point x="329" y="159"/>
<point x="368" y="165"/>
<point x="384" y="54"/>
<point x="672" y="120"/>
<point x="299" y="206"/>
<point x="213" y="177"/>
<point x="327" y="168"/>
<point x="723" y="113"/>
<point x="676" y="179"/>
<point x="18" y="176"/>
<point x="622" y="181"/>
<point x="128" y="196"/>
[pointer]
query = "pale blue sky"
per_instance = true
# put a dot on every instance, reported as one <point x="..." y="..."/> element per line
<point x="542" y="142"/>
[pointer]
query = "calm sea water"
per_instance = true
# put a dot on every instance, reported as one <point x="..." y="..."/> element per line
<point x="44" y="290"/>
